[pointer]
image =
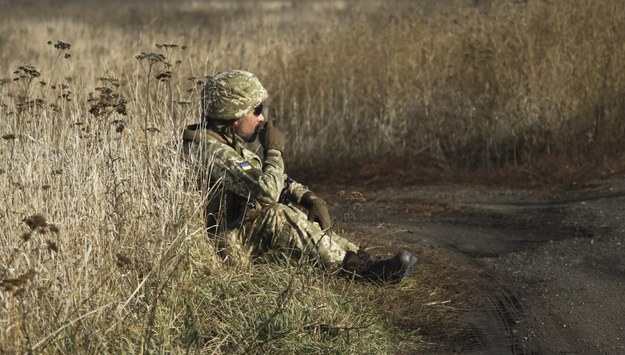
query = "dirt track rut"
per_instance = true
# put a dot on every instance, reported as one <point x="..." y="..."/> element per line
<point x="549" y="266"/>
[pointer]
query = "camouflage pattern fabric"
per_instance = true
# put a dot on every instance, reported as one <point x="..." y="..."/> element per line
<point x="286" y="229"/>
<point x="231" y="95"/>
<point x="254" y="186"/>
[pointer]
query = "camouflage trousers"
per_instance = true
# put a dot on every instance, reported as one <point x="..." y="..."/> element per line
<point x="285" y="229"/>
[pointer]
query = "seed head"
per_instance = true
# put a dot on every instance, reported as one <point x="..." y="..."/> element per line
<point x="152" y="58"/>
<point x="35" y="221"/>
<point x="122" y="260"/>
<point x="164" y="76"/>
<point x="16" y="285"/>
<point x="62" y="46"/>
<point x="27" y="71"/>
<point x="54" y="228"/>
<point x="52" y="246"/>
<point x="119" y="125"/>
<point x="166" y="45"/>
<point x="106" y="101"/>
<point x="27" y="235"/>
<point x="109" y="80"/>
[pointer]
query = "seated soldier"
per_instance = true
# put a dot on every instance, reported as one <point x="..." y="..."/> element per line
<point x="250" y="203"/>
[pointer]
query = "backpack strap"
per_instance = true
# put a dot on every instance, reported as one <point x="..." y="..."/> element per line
<point x="194" y="133"/>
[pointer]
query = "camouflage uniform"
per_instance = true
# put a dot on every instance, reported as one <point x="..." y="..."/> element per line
<point x="248" y="206"/>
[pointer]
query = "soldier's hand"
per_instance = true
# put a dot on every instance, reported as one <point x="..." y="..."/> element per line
<point x="271" y="138"/>
<point x="318" y="212"/>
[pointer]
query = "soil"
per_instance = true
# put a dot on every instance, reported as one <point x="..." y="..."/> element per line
<point x="502" y="270"/>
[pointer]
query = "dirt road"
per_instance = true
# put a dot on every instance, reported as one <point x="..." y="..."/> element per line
<point x="546" y="268"/>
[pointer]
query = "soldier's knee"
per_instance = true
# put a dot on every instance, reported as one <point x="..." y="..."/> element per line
<point x="278" y="209"/>
<point x="284" y="213"/>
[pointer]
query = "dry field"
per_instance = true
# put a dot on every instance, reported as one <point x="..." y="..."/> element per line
<point x="103" y="248"/>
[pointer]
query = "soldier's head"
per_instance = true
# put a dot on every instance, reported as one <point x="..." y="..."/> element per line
<point x="234" y="99"/>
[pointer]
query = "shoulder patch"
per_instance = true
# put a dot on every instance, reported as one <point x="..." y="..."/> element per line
<point x="245" y="166"/>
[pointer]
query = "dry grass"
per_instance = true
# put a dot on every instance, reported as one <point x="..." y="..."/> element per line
<point x="468" y="87"/>
<point x="103" y="249"/>
<point x="507" y="83"/>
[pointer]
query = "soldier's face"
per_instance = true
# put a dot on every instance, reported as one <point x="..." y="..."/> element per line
<point x="247" y="127"/>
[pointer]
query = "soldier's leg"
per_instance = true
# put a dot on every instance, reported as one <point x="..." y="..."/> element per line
<point x="287" y="229"/>
<point x="233" y="248"/>
<point x="230" y="243"/>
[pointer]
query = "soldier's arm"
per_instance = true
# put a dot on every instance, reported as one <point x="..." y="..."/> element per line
<point x="296" y="191"/>
<point x="243" y="178"/>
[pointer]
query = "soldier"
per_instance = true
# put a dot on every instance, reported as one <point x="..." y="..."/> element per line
<point x="251" y="202"/>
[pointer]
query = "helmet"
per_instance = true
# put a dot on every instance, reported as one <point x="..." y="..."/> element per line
<point x="230" y="95"/>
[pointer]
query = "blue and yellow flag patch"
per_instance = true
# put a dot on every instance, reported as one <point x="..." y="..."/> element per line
<point x="246" y="166"/>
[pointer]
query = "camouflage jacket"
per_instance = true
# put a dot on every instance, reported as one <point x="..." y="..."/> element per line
<point x="237" y="180"/>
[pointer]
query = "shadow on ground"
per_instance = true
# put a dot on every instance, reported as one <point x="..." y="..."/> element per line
<point x="505" y="271"/>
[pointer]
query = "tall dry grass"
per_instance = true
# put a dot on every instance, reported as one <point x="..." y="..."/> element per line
<point x="503" y="83"/>
<point x="103" y="248"/>
<point x="470" y="87"/>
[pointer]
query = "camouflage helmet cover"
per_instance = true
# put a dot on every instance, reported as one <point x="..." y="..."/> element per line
<point x="231" y="95"/>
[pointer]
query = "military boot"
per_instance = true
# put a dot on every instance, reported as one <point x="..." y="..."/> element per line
<point x="364" y="265"/>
